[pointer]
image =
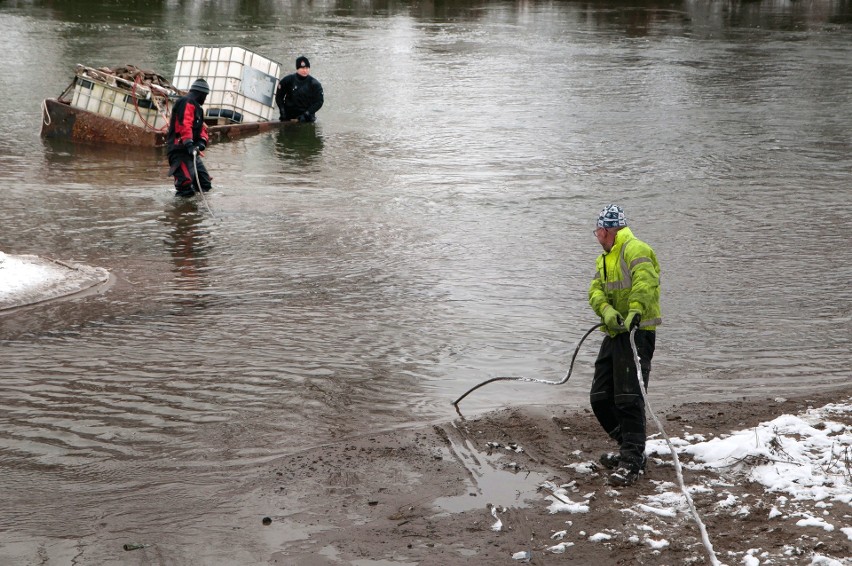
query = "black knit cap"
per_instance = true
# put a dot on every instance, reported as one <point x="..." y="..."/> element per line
<point x="303" y="62"/>
<point x="200" y="85"/>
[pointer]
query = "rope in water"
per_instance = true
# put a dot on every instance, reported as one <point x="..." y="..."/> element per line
<point x="530" y="379"/>
<point x="197" y="182"/>
<point x="704" y="537"/>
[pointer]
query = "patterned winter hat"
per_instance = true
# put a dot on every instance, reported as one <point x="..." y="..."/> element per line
<point x="612" y="216"/>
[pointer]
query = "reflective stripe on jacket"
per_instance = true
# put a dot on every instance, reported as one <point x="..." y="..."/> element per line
<point x="628" y="278"/>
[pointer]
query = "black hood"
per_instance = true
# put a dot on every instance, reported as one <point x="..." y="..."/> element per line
<point x="197" y="97"/>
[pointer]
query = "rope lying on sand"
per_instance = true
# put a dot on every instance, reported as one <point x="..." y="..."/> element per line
<point x="705" y="539"/>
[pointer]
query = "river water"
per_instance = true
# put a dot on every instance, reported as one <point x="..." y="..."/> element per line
<point x="430" y="231"/>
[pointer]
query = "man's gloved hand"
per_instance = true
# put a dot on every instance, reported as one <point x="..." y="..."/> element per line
<point x="612" y="318"/>
<point x="202" y="146"/>
<point x="632" y="320"/>
<point x="190" y="147"/>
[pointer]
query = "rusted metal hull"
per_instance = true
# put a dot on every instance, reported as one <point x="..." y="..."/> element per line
<point x="230" y="132"/>
<point x="61" y="120"/>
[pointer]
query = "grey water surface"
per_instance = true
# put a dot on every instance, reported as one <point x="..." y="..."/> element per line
<point x="433" y="229"/>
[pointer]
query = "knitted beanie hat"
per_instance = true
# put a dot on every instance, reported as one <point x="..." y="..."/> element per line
<point x="303" y="62"/>
<point x="200" y="85"/>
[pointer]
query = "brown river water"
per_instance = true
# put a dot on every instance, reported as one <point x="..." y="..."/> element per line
<point x="430" y="231"/>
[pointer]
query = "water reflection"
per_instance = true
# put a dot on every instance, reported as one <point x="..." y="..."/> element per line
<point x="107" y="166"/>
<point x="635" y="18"/>
<point x="299" y="143"/>
<point x="188" y="245"/>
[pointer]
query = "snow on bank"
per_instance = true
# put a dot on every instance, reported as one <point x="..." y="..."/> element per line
<point x="803" y="458"/>
<point x="806" y="456"/>
<point x="19" y="273"/>
<point x="802" y="462"/>
<point x="28" y="279"/>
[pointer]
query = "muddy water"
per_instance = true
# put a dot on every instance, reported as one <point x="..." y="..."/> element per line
<point x="432" y="230"/>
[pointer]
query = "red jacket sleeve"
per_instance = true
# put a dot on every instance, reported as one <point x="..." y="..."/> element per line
<point x="183" y="124"/>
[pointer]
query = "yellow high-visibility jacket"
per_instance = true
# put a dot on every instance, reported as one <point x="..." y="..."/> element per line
<point x="628" y="278"/>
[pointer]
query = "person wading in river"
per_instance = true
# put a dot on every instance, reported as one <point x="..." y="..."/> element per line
<point x="299" y="96"/>
<point x="625" y="293"/>
<point x="186" y="139"/>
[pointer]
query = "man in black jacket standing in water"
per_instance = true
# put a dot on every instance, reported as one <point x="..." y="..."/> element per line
<point x="299" y="95"/>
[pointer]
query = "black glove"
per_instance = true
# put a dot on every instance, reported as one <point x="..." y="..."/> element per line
<point x="190" y="147"/>
<point x="632" y="320"/>
<point x="202" y="146"/>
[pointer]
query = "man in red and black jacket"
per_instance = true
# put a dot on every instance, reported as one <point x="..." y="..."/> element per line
<point x="187" y="138"/>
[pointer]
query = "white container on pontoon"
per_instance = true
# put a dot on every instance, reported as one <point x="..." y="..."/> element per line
<point x="242" y="83"/>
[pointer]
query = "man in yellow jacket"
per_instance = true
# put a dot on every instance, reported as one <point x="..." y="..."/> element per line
<point x="625" y="293"/>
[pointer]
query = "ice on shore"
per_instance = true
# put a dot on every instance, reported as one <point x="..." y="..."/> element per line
<point x="29" y="279"/>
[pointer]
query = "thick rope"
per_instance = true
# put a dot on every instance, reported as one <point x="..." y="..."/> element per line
<point x="530" y="379"/>
<point x="704" y="538"/>
<point x="198" y="182"/>
<point x="45" y="113"/>
<point x="165" y="127"/>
